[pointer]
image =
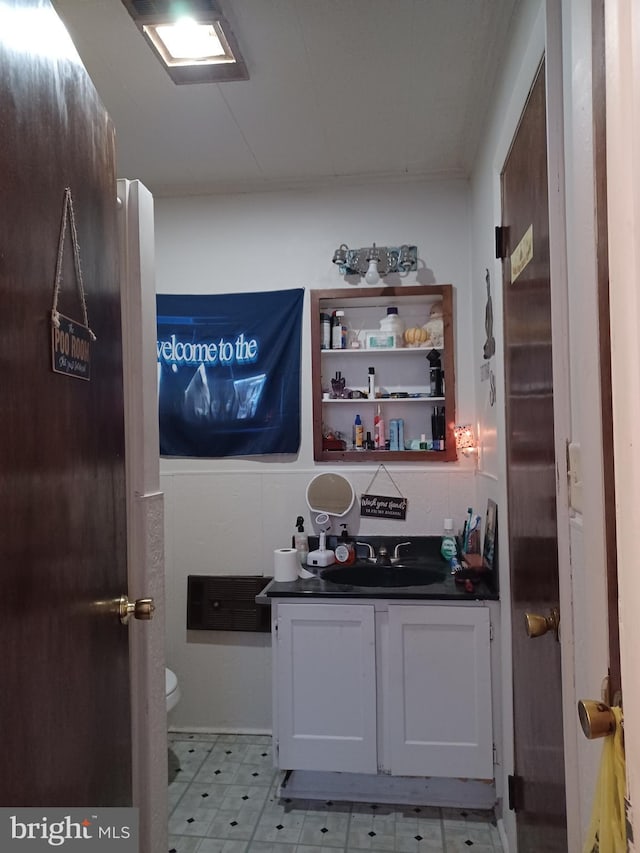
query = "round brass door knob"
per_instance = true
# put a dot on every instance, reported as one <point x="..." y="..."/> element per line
<point x="537" y="625"/>
<point x="142" y="608"/>
<point x="596" y="718"/>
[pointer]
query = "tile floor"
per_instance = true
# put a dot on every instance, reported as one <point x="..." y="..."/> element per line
<point x="223" y="799"/>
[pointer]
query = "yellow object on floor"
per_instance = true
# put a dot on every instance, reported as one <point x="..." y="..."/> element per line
<point x="607" y="832"/>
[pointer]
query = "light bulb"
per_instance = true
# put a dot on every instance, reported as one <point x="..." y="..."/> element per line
<point x="372" y="276"/>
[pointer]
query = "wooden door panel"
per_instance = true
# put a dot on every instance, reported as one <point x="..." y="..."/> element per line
<point x="64" y="707"/>
<point x="537" y="686"/>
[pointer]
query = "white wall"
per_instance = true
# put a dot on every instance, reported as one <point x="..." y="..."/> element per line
<point x="226" y="516"/>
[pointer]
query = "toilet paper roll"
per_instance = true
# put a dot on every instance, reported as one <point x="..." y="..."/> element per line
<point x="285" y="564"/>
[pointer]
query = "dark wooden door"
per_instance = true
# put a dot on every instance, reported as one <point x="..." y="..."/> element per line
<point x="538" y="792"/>
<point x="64" y="703"/>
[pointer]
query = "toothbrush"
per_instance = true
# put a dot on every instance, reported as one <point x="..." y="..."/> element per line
<point x="474" y="531"/>
<point x="467" y="529"/>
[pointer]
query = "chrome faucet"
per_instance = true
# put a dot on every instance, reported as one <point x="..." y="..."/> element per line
<point x="383" y="558"/>
<point x="372" y="553"/>
<point x="396" y="552"/>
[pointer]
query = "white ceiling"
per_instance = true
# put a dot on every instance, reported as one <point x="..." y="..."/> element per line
<point x="338" y="89"/>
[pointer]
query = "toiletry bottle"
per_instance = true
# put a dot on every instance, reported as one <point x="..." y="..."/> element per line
<point x="392" y="323"/>
<point x="423" y="442"/>
<point x="338" y="330"/>
<point x="345" y="552"/>
<point x="359" y="431"/>
<point x="438" y="427"/>
<point x="325" y="331"/>
<point x="393" y="434"/>
<point x="448" y="548"/>
<point x="369" y="443"/>
<point x="436" y="387"/>
<point x="300" y="541"/>
<point x="378" y="430"/>
<point x="372" y="383"/>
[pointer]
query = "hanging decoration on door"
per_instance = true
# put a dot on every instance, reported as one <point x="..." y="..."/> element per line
<point x="383" y="506"/>
<point x="489" y="348"/>
<point x="229" y="373"/>
<point x="70" y="339"/>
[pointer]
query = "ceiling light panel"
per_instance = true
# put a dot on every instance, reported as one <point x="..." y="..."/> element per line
<point x="191" y="38"/>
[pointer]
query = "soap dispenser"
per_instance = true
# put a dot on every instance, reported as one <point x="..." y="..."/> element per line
<point x="345" y="552"/>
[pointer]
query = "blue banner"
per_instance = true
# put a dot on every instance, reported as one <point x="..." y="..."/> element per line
<point x="229" y="373"/>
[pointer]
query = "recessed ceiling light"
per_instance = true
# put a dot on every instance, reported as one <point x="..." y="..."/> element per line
<point x="191" y="38"/>
<point x="188" y="42"/>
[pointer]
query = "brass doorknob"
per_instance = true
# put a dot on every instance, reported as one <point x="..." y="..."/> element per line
<point x="142" y="608"/>
<point x="596" y="718"/>
<point x="536" y="625"/>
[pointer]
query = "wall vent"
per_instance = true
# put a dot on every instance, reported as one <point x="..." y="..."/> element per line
<point x="226" y="603"/>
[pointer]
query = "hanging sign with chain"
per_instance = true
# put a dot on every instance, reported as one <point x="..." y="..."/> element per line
<point x="70" y="340"/>
<point x="383" y="506"/>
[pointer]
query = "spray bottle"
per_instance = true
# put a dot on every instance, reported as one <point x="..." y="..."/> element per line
<point x="300" y="541"/>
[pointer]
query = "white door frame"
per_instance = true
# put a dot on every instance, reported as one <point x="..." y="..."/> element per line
<point x="145" y="512"/>
<point x="622" y="28"/>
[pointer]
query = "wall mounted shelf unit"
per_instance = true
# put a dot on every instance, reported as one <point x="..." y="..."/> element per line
<point x="399" y="370"/>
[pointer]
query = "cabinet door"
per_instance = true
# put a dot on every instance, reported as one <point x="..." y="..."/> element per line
<point x="440" y="686"/>
<point x="325" y="679"/>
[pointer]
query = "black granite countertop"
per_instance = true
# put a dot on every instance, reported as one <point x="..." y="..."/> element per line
<point x="423" y="550"/>
<point x="316" y="587"/>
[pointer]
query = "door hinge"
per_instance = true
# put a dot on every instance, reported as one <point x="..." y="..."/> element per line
<point x="495" y="755"/>
<point x="490" y="631"/>
<point x="515" y="792"/>
<point x="501" y="242"/>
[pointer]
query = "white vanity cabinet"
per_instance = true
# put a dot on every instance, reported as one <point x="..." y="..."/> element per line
<point x="383" y="687"/>
<point x="324" y="682"/>
<point x="439" y="697"/>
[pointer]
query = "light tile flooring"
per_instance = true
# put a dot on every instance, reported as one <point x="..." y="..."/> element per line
<point x="223" y="800"/>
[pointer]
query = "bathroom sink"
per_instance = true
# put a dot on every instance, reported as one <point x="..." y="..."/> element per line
<point x="372" y="574"/>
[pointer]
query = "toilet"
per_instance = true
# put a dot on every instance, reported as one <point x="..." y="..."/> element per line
<point x="173" y="690"/>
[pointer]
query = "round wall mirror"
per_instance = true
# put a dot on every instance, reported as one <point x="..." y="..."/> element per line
<point x="330" y="493"/>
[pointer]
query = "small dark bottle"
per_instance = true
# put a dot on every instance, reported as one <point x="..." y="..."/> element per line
<point x="435" y="374"/>
<point x="369" y="443"/>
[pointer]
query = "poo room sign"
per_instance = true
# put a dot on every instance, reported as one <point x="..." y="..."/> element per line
<point x="71" y="348"/>
<point x="70" y="340"/>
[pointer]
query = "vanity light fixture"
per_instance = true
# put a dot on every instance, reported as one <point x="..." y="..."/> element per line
<point x="192" y="39"/>
<point x="375" y="262"/>
<point x="465" y="439"/>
